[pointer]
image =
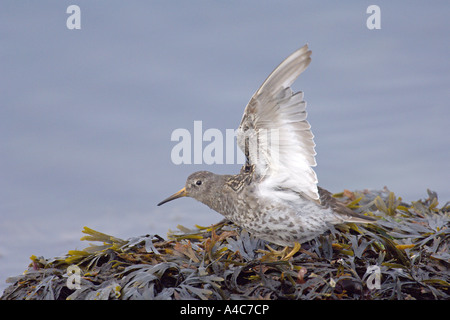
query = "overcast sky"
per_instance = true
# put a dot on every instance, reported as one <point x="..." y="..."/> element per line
<point x="86" y="116"/>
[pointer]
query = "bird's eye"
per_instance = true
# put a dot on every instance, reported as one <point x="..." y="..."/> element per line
<point x="198" y="182"/>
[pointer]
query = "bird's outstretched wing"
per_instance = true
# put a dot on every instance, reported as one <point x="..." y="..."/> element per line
<point x="275" y="135"/>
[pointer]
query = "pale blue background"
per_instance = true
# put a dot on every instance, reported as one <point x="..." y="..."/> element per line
<point x="86" y="115"/>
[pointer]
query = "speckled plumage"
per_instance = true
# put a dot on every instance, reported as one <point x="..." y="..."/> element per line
<point x="275" y="196"/>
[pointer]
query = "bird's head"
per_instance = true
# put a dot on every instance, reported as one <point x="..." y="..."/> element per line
<point x="199" y="185"/>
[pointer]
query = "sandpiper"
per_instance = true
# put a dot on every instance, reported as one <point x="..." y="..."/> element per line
<point x="275" y="196"/>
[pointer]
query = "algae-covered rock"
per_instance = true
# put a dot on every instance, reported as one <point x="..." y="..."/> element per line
<point x="405" y="255"/>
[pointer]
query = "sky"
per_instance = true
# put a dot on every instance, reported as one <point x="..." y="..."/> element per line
<point x="87" y="115"/>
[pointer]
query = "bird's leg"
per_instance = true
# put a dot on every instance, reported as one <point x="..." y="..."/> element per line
<point x="283" y="254"/>
<point x="294" y="250"/>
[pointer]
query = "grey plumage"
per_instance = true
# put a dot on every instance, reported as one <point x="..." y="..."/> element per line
<point x="275" y="196"/>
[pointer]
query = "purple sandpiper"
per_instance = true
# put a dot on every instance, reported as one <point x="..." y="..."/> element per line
<point x="275" y="196"/>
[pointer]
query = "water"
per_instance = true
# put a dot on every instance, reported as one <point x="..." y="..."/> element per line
<point x="87" y="115"/>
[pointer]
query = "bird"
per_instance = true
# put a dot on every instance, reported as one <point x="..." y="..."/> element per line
<point x="275" y="196"/>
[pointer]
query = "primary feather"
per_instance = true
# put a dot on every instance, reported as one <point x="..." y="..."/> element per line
<point x="275" y="135"/>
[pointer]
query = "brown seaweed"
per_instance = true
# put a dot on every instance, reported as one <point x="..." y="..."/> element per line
<point x="405" y="255"/>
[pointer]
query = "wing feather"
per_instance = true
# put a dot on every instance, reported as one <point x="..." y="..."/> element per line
<point x="274" y="132"/>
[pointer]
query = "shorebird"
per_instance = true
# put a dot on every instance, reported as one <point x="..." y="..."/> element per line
<point x="275" y="196"/>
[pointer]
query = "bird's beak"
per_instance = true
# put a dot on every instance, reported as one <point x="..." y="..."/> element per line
<point x="179" y="194"/>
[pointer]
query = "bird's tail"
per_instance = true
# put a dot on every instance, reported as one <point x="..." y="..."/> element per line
<point x="350" y="216"/>
<point x="342" y="213"/>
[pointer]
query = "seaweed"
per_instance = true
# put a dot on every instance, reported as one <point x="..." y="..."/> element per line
<point x="404" y="256"/>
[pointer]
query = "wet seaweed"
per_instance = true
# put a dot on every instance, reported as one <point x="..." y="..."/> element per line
<point x="405" y="255"/>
